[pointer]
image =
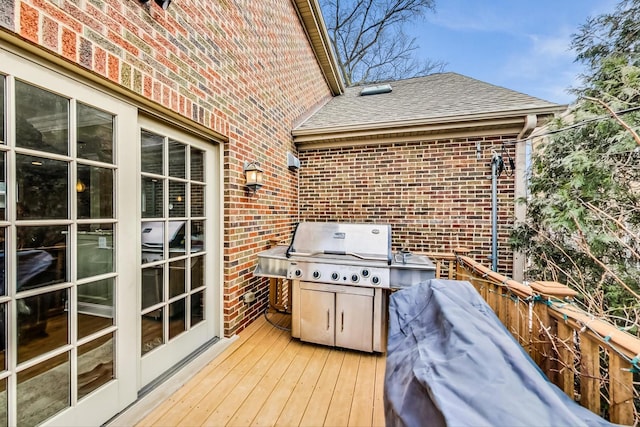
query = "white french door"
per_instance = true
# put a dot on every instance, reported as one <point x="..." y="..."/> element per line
<point x="65" y="282"/>
<point x="179" y="291"/>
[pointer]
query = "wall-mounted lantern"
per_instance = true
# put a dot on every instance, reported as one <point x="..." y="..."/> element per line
<point x="253" y="176"/>
<point x="164" y="4"/>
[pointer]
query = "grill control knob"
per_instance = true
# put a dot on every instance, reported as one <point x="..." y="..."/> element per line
<point x="354" y="278"/>
<point x="298" y="273"/>
<point x="335" y="276"/>
<point x="316" y="274"/>
<point x="375" y="280"/>
<point x="365" y="273"/>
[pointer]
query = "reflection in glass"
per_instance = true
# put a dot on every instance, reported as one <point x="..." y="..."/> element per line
<point x="197" y="236"/>
<point x="176" y="278"/>
<point x="95" y="307"/>
<point x="152" y="152"/>
<point x="152" y="200"/>
<point x="43" y="324"/>
<point x="3" y="338"/>
<point x="42" y="256"/>
<point x="3" y="187"/>
<point x="177" y="160"/>
<point x="43" y="390"/>
<point x="95" y="134"/>
<point x="95" y="249"/>
<point x="197" y="200"/>
<point x="197" y="165"/>
<point x="151" y="331"/>
<point x="152" y="241"/>
<point x="3" y="403"/>
<point x="177" y="199"/>
<point x="95" y="364"/>
<point x="176" y="238"/>
<point x="152" y="289"/>
<point x="197" y="272"/>
<point x="94" y="189"/>
<point x="42" y="119"/>
<point x="197" y="308"/>
<point x="177" y="322"/>
<point x="2" y="114"/>
<point x="43" y="186"/>
<point x="3" y="262"/>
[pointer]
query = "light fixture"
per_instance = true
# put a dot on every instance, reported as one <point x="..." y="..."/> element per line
<point x="164" y="4"/>
<point x="253" y="176"/>
<point x="80" y="186"/>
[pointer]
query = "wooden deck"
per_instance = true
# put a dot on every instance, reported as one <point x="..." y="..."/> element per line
<point x="266" y="378"/>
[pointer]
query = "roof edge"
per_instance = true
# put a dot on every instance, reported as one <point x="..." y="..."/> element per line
<point x="406" y="125"/>
<point x="310" y="16"/>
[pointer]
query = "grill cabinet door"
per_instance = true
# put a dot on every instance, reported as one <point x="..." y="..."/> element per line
<point x="354" y="321"/>
<point x="317" y="316"/>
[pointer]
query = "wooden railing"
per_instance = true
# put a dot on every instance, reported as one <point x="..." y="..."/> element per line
<point x="590" y="359"/>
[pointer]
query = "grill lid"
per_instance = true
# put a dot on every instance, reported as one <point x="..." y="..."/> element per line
<point x="364" y="241"/>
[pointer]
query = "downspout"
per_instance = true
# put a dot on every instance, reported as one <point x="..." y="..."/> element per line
<point x="520" y="190"/>
<point x="530" y="122"/>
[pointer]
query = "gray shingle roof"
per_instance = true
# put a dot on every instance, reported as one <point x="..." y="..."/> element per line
<point x="443" y="95"/>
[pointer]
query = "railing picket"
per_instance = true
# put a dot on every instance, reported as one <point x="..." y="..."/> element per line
<point x="589" y="373"/>
<point x="566" y="355"/>
<point x="620" y="390"/>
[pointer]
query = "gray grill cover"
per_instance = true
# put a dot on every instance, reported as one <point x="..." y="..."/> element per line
<point x="451" y="362"/>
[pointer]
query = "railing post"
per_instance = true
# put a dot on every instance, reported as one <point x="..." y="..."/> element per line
<point x="457" y="252"/>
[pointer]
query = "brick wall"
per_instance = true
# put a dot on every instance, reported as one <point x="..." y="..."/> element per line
<point x="243" y="68"/>
<point x="435" y="194"/>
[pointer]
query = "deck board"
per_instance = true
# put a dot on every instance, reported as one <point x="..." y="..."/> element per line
<point x="266" y="378"/>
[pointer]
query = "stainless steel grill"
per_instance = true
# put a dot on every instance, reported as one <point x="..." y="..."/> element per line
<point x="341" y="274"/>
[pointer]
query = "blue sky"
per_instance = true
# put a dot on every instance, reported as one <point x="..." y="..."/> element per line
<point x="521" y="45"/>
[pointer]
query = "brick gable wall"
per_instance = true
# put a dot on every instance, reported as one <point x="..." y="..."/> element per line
<point x="242" y="68"/>
<point x="435" y="194"/>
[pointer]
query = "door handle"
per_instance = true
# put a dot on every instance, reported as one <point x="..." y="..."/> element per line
<point x="328" y="320"/>
<point x="342" y="321"/>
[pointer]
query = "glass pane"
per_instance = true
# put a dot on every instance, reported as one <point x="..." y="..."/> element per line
<point x="152" y="289"/>
<point x="197" y="236"/>
<point x="43" y="188"/>
<point x="177" y="199"/>
<point x="177" y="159"/>
<point x="3" y="188"/>
<point x="42" y="119"/>
<point x="152" y="152"/>
<point x="197" y="200"/>
<point x="3" y="339"/>
<point x="152" y="241"/>
<point x="95" y="307"/>
<point x="95" y="249"/>
<point x="2" y="116"/>
<point x="95" y="192"/>
<point x="42" y="256"/>
<point x="197" y="272"/>
<point x="95" y="134"/>
<point x="176" y="238"/>
<point x="38" y="398"/>
<point x="197" y="165"/>
<point x="177" y="320"/>
<point x="151" y="330"/>
<point x="43" y="324"/>
<point x="3" y="262"/>
<point x="177" y="278"/>
<point x="197" y="308"/>
<point x="152" y="201"/>
<point x="95" y="364"/>
<point x="3" y="403"/>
